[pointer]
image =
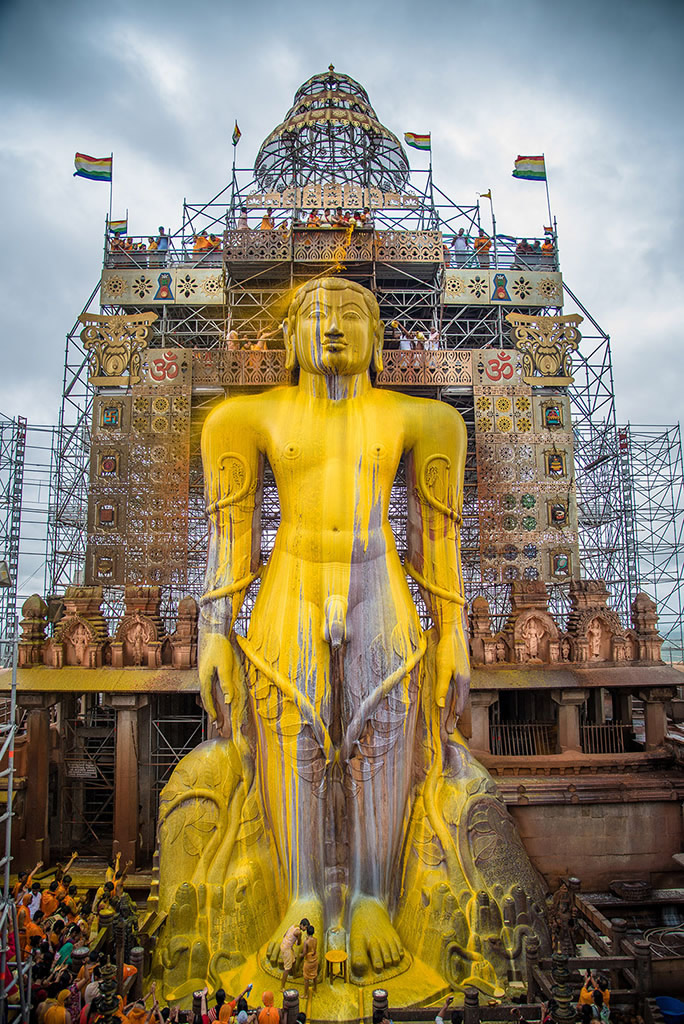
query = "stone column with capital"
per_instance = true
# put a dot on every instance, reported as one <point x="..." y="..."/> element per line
<point x="480" y="703"/>
<point x="127" y="791"/>
<point x="655" y="716"/>
<point x="35" y="843"/>
<point x="569" y="703"/>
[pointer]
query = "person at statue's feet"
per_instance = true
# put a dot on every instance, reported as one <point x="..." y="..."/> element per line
<point x="268" y="1014"/>
<point x="293" y="935"/>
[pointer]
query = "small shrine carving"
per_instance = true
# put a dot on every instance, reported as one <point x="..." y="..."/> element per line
<point x="33" y="624"/>
<point x="140" y="640"/>
<point x="184" y="641"/>
<point x="546" y="344"/>
<point x="81" y="637"/>
<point x="114" y="345"/>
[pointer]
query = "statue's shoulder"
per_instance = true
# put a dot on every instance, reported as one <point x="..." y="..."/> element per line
<point x="244" y="410"/>
<point x="425" y="418"/>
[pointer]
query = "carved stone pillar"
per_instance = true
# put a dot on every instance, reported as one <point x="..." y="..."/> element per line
<point x="126" y="791"/>
<point x="569" y="702"/>
<point x="655" y="718"/>
<point x="35" y="844"/>
<point x="480" y="703"/>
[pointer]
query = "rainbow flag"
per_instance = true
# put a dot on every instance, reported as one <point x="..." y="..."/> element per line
<point x="417" y="141"/>
<point x="118" y="227"/>
<point x="237" y="134"/>
<point x="531" y="168"/>
<point x="97" y="169"/>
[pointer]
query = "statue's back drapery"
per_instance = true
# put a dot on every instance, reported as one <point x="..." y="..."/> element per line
<point x="340" y="789"/>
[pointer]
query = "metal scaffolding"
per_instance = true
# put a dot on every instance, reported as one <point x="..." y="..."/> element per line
<point x="12" y="454"/>
<point x="653" y="476"/>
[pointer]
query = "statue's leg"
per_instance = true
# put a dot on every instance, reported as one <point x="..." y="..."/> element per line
<point x="468" y="894"/>
<point x="288" y="683"/>
<point x="381" y="689"/>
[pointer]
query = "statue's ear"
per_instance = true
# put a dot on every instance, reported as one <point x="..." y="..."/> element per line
<point x="378" y="342"/>
<point x="290" y="357"/>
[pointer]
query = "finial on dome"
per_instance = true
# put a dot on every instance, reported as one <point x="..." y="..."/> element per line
<point x="331" y="67"/>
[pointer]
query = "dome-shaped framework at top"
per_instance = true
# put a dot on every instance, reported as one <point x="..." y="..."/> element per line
<point x="331" y="133"/>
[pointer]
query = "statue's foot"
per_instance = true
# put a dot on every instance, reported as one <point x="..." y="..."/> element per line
<point x="185" y="955"/>
<point x="375" y="947"/>
<point x="312" y="909"/>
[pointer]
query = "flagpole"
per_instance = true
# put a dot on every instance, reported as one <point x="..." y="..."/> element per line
<point x="491" y="208"/>
<point x="111" y="186"/>
<point x="432" y="196"/>
<point x="546" y="182"/>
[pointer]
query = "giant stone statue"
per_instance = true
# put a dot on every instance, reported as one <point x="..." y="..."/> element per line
<point x="341" y="788"/>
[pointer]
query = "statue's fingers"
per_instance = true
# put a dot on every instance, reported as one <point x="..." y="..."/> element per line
<point x="206" y="692"/>
<point x="443" y="681"/>
<point x="462" y="691"/>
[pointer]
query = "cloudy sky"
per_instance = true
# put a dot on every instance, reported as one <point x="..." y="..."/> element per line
<point x="595" y="85"/>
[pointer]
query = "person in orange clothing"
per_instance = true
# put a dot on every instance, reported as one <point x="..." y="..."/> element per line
<point x="49" y="901"/>
<point x="23" y="918"/>
<point x="201" y="242"/>
<point x="267" y="222"/>
<point x="34" y="927"/>
<point x="63" y="877"/>
<point x="58" y="1014"/>
<point x="482" y="245"/>
<point x="25" y="881"/>
<point x="70" y="905"/>
<point x="269" y="1014"/>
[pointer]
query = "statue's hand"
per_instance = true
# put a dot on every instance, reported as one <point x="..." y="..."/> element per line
<point x="217" y="660"/>
<point x="453" y="666"/>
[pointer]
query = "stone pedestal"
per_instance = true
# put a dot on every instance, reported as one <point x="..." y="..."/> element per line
<point x="569" y="702"/>
<point x="480" y="703"/>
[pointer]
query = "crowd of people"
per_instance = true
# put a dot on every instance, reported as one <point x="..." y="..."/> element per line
<point x="328" y="219"/>
<point x="57" y="926"/>
<point x="463" y="251"/>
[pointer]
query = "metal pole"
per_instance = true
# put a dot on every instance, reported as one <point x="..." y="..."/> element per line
<point x="8" y="846"/>
<point x="111" y="188"/>
<point x="546" y="182"/>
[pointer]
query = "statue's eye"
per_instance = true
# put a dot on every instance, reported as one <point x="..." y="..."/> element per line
<point x="350" y="315"/>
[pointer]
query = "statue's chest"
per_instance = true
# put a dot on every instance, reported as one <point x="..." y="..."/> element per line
<point x="344" y="445"/>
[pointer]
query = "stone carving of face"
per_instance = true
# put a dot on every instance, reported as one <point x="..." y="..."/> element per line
<point x="334" y="332"/>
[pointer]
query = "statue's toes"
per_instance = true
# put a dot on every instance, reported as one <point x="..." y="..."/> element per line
<point x="396" y="951"/>
<point x="359" y="958"/>
<point x="376" y="955"/>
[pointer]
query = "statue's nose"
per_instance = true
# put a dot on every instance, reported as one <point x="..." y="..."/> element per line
<point x="333" y="330"/>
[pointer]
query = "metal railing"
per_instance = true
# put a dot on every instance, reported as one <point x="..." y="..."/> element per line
<point x="610" y="738"/>
<point x="523" y="739"/>
<point x="507" y="254"/>
<point x="306" y="244"/>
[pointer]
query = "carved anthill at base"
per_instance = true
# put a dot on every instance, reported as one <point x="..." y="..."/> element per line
<point x="341" y="789"/>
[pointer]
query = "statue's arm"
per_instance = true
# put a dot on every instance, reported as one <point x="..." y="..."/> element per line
<point x="435" y="465"/>
<point x="233" y="484"/>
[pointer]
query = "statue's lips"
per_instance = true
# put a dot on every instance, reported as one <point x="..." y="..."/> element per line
<point x="334" y="345"/>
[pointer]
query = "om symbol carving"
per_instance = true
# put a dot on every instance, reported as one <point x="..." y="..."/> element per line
<point x="500" y="367"/>
<point x="165" y="367"/>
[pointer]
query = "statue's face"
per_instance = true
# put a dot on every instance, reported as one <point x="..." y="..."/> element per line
<point x="334" y="332"/>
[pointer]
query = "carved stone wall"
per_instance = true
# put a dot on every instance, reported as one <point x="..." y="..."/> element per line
<point x="594" y="632"/>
